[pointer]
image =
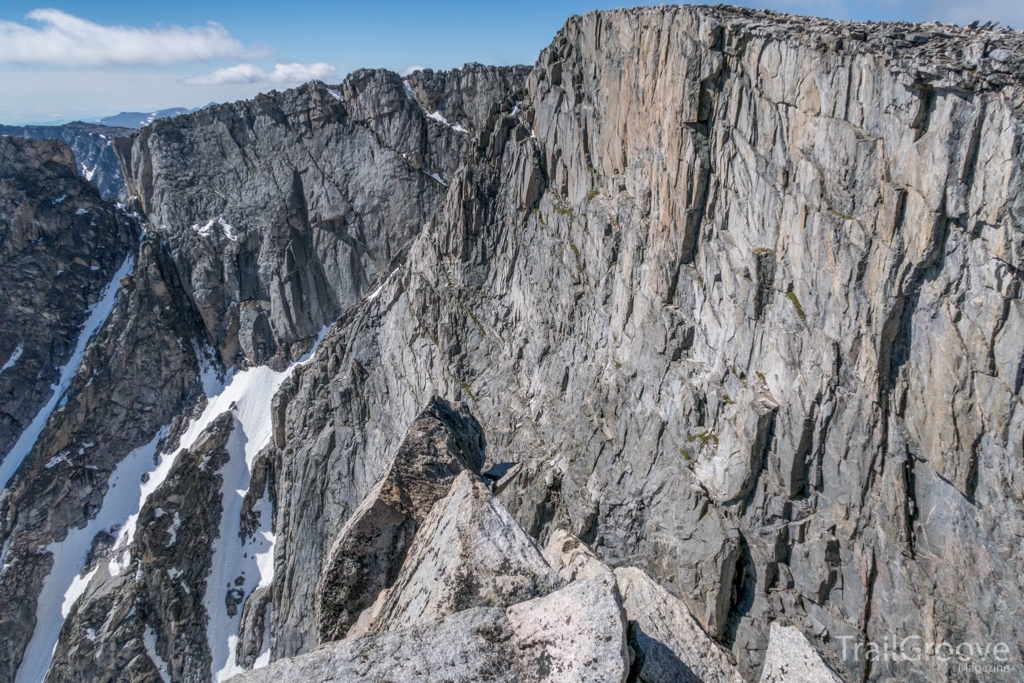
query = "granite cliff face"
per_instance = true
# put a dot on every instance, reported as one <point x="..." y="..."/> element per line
<point x="739" y="291"/>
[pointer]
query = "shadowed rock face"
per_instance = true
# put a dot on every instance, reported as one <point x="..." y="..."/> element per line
<point x="60" y="244"/>
<point x="740" y="290"/>
<point x="319" y="193"/>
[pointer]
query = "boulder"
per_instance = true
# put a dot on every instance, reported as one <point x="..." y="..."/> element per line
<point x="670" y="645"/>
<point x="577" y="634"/>
<point x="573" y="558"/>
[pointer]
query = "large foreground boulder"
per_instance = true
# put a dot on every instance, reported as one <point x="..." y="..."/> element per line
<point x="670" y="645"/>
<point x="575" y="635"/>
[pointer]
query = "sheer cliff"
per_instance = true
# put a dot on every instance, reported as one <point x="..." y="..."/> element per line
<point x="740" y="291"/>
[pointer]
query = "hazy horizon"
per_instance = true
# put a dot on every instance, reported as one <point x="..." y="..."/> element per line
<point x="81" y="60"/>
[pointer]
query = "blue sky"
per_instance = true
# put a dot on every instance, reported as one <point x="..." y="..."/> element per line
<point x="69" y="60"/>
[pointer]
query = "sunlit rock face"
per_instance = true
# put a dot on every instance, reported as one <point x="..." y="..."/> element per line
<point x="740" y="291"/>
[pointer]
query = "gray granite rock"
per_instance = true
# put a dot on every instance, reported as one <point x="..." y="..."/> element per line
<point x="575" y="635"/>
<point x="740" y="290"/>
<point x="370" y="551"/>
<point x="469" y="552"/>
<point x="670" y="645"/>
<point x="93" y="147"/>
<point x="791" y="659"/>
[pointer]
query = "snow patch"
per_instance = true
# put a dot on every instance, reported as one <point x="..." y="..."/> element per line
<point x="74" y="591"/>
<point x="14" y="357"/>
<point x="56" y="460"/>
<point x="207" y="229"/>
<point x="335" y="94"/>
<point x="437" y="178"/>
<point x="131" y="505"/>
<point x="82" y="212"/>
<point x="173" y="530"/>
<point x="410" y="92"/>
<point x="60" y="199"/>
<point x="98" y="315"/>
<point x="439" y="117"/>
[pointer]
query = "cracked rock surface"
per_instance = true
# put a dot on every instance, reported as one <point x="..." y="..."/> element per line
<point x="740" y="292"/>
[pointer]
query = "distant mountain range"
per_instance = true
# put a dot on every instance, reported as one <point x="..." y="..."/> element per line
<point x="138" y="119"/>
<point x="91" y="143"/>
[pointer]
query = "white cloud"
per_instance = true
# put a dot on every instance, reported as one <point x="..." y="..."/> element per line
<point x="411" y="69"/>
<point x="66" y="40"/>
<point x="282" y="73"/>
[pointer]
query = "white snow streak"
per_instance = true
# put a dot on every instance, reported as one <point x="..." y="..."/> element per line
<point x="149" y="640"/>
<point x="439" y="117"/>
<point x="64" y="585"/>
<point x="410" y="92"/>
<point x="74" y="591"/>
<point x="248" y="396"/>
<point x="173" y="530"/>
<point x="250" y="392"/>
<point x="14" y="357"/>
<point x="97" y="316"/>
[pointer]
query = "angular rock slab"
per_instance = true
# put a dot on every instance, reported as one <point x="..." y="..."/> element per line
<point x="573" y="558"/>
<point x="791" y="659"/>
<point x="368" y="553"/>
<point x="575" y="635"/>
<point x="671" y="646"/>
<point x="469" y="552"/>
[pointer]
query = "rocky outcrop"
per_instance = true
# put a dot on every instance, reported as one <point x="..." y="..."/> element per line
<point x="468" y="553"/>
<point x="369" y="552"/>
<point x="520" y="645"/>
<point x="320" y="192"/>
<point x="93" y="147"/>
<point x="468" y="560"/>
